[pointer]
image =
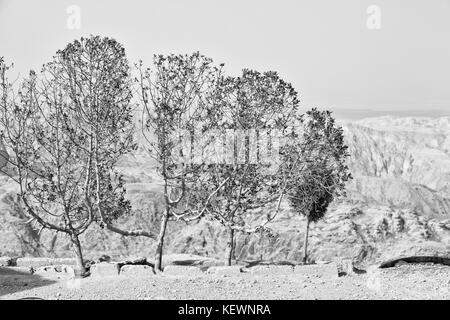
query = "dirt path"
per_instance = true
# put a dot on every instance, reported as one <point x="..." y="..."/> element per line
<point x="404" y="282"/>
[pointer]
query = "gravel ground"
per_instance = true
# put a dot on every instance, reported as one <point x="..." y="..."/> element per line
<point x="403" y="282"/>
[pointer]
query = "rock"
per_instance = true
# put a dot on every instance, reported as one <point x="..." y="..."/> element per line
<point x="182" y="271"/>
<point x="7" y="262"/>
<point x="33" y="262"/>
<point x="271" y="269"/>
<point x="136" y="270"/>
<point x="45" y="269"/>
<point x="415" y="259"/>
<point x="345" y="267"/>
<point x="429" y="251"/>
<point x="42" y="262"/>
<point x="104" y="258"/>
<point x="135" y="261"/>
<point x="229" y="270"/>
<point x="70" y="271"/>
<point x="88" y="263"/>
<point x="327" y="271"/>
<point x="64" y="261"/>
<point x="401" y="263"/>
<point x="104" y="269"/>
<point x="55" y="272"/>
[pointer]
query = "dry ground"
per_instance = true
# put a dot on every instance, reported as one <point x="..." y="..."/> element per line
<point x="425" y="281"/>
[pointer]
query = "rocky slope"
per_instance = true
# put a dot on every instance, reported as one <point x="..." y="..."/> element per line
<point x="398" y="202"/>
<point x="403" y="162"/>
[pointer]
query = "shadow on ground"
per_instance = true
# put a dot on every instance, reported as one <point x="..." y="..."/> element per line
<point x="14" y="280"/>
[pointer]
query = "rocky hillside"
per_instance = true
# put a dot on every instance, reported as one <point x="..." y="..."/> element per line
<point x="401" y="162"/>
<point x="368" y="234"/>
<point x="398" y="202"/>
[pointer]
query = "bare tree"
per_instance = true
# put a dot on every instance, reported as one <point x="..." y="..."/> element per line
<point x="174" y="93"/>
<point x="255" y="108"/>
<point x="95" y="73"/>
<point x="67" y="128"/>
<point x="314" y="167"/>
<point x="45" y="161"/>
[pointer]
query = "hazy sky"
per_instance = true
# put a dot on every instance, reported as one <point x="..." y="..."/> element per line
<point x="323" y="47"/>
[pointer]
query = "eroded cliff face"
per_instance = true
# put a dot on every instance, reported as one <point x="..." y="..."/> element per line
<point x="403" y="162"/>
<point x="398" y="203"/>
<point x="366" y="234"/>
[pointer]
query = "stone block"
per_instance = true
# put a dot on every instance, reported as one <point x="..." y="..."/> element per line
<point x="137" y="270"/>
<point x="33" y="262"/>
<point x="104" y="269"/>
<point x="43" y="262"/>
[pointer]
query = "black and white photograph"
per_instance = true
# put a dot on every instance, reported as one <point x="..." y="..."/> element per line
<point x="205" y="151"/>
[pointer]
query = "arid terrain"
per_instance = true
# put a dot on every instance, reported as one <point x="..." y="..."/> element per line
<point x="233" y="150"/>
<point x="421" y="281"/>
<point x="397" y="205"/>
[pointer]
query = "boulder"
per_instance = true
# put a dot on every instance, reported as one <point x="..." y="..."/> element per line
<point x="135" y="261"/>
<point x="42" y="262"/>
<point x="104" y="269"/>
<point x="406" y="253"/>
<point x="58" y="272"/>
<point x="415" y="259"/>
<point x="401" y="263"/>
<point x="136" y="270"/>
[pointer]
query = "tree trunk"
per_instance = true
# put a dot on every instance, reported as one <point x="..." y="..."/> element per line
<point x="80" y="268"/>
<point x="160" y="241"/>
<point x="230" y="248"/>
<point x="305" y="246"/>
